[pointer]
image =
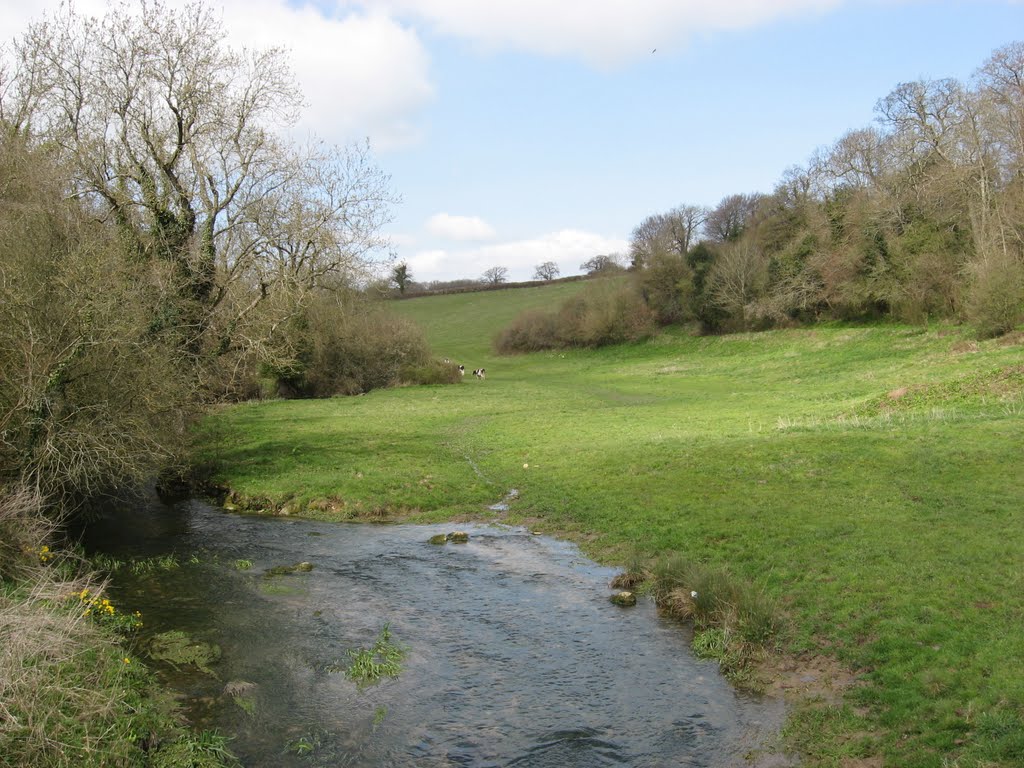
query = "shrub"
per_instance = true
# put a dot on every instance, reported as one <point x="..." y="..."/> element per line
<point x="667" y="287"/>
<point x="995" y="301"/>
<point x="605" y="312"/>
<point x="431" y="372"/>
<point x="344" y="345"/>
<point x="94" y="393"/>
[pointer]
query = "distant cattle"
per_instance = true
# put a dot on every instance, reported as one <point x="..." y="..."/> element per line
<point x="462" y="370"/>
<point x="479" y="373"/>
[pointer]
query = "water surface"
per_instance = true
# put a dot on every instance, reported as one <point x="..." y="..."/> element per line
<point x="515" y="656"/>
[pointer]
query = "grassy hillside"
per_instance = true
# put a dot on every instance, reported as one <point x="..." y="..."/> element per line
<point x="460" y="326"/>
<point x="870" y="479"/>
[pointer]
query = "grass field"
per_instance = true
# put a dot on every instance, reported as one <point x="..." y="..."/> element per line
<point x="871" y="479"/>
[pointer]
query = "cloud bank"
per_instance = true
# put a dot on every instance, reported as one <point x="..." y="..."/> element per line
<point x="363" y="74"/>
<point x="459" y="228"/>
<point x="603" y="33"/>
<point x="567" y="247"/>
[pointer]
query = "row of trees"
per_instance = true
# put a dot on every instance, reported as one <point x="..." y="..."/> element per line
<point x="920" y="215"/>
<point x="162" y="243"/>
<point x="401" y="279"/>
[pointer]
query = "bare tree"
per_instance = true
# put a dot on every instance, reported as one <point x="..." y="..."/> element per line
<point x="649" y="238"/>
<point x="495" y="275"/>
<point x="685" y="223"/>
<point x="603" y="264"/>
<point x="860" y="158"/>
<point x="738" y="276"/>
<point x="546" y="271"/>
<point x="731" y="217"/>
<point x="174" y="137"/>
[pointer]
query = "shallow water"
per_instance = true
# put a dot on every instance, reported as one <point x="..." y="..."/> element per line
<point x="515" y="655"/>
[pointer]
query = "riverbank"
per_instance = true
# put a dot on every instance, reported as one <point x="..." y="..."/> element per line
<point x="74" y="689"/>
<point x="865" y="479"/>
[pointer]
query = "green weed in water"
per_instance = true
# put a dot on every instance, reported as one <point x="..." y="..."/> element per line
<point x="178" y="649"/>
<point x="382" y="659"/>
<point x="304" y="745"/>
<point x="243" y="565"/>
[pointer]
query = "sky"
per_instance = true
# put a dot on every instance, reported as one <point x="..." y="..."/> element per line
<point x="517" y="132"/>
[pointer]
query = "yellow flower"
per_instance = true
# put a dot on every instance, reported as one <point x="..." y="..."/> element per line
<point x="83" y="594"/>
<point x="127" y="660"/>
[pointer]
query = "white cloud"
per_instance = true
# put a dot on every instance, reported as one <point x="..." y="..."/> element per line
<point x="601" y="33"/>
<point x="461" y="228"/>
<point x="362" y="74"/>
<point x="568" y="248"/>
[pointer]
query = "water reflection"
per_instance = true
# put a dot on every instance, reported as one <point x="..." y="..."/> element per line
<point x="515" y="656"/>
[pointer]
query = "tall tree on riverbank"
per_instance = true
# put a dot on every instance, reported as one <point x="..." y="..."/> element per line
<point x="177" y="139"/>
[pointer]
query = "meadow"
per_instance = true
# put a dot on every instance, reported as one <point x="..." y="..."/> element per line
<point x="869" y="479"/>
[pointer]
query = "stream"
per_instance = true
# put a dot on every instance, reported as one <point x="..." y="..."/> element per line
<point x="514" y="655"/>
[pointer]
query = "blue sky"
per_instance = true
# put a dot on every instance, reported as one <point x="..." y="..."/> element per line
<point x="522" y="131"/>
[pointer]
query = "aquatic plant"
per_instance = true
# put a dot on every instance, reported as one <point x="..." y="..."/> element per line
<point x="178" y="649"/>
<point x="382" y="659"/>
<point x="303" y="745"/>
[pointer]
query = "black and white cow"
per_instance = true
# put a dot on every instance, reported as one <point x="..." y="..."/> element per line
<point x="479" y="373"/>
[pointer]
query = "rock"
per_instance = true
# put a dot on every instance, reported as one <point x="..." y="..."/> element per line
<point x="291" y="507"/>
<point x="230" y="506"/>
<point x="458" y="537"/>
<point x="624" y="598"/>
<point x="438" y="539"/>
<point x="284" y="570"/>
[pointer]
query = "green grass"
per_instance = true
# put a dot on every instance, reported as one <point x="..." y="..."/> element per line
<point x="888" y="529"/>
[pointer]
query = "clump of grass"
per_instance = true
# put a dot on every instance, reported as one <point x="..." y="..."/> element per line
<point x="735" y="622"/>
<point x="633" y="575"/>
<point x="24" y="532"/>
<point x="206" y="749"/>
<point x="243" y="564"/>
<point x="382" y="659"/>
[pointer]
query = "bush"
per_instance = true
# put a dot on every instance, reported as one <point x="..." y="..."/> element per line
<point x="93" y="392"/>
<point x="995" y="301"/>
<point x="667" y="287"/>
<point x="345" y="345"/>
<point x="605" y="312"/>
<point x="431" y="372"/>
